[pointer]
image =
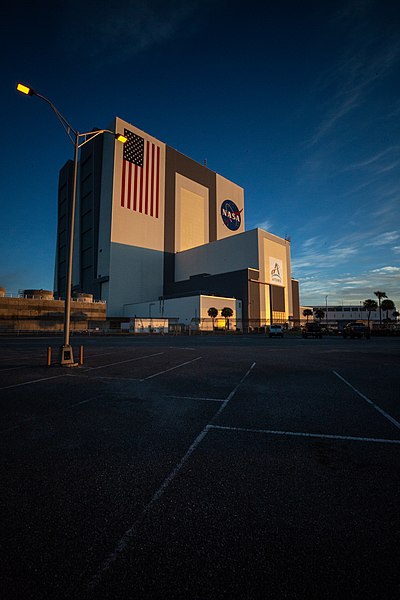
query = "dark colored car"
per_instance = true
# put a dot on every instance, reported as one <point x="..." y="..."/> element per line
<point x="312" y="330"/>
<point x="356" y="330"/>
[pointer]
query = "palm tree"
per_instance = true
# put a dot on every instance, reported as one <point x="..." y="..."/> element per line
<point x="307" y="312"/>
<point x="212" y="312"/>
<point x="226" y="312"/>
<point x="319" y="313"/>
<point x="370" y="305"/>
<point x="380" y="295"/>
<point x="386" y="306"/>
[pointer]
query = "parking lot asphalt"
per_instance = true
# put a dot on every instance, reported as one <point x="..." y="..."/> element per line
<point x="201" y="467"/>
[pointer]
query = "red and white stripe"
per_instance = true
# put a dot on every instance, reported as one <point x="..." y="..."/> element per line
<point x="140" y="186"/>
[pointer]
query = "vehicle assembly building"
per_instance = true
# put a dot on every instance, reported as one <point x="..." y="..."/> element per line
<point x="153" y="225"/>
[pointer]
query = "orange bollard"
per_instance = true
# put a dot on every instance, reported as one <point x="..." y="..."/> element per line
<point x="49" y="356"/>
<point x="80" y="355"/>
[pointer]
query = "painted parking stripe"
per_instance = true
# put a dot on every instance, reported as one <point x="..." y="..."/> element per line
<point x="351" y="438"/>
<point x="8" y="387"/>
<point x="188" y="362"/>
<point x="129" y="534"/>
<point x="197" y="398"/>
<point x="20" y="367"/>
<point x="233" y="392"/>
<point x="121" y="362"/>
<point x="378" y="408"/>
<point x="51" y="414"/>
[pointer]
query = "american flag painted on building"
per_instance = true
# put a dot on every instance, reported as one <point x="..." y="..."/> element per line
<point x="140" y="185"/>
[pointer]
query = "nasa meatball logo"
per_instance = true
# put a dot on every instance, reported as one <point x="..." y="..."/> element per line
<point x="231" y="215"/>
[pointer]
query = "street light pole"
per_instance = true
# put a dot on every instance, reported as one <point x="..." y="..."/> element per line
<point x="66" y="353"/>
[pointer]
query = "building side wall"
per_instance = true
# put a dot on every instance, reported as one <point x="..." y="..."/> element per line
<point x="88" y="217"/>
<point x="186" y="310"/>
<point x="182" y="309"/>
<point x="136" y="275"/>
<point x="233" y="284"/>
<point x="229" y="254"/>
<point x="65" y="181"/>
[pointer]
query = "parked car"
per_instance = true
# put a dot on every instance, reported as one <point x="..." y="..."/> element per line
<point x="275" y="331"/>
<point x="356" y="330"/>
<point x="312" y="330"/>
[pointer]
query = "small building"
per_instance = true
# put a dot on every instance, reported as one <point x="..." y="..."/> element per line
<point x="190" y="312"/>
<point x="342" y="314"/>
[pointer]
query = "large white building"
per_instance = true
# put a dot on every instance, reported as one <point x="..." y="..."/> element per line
<point x="152" y="224"/>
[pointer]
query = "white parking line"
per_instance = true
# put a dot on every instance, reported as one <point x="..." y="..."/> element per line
<point x="8" y="387"/>
<point x="128" y="535"/>
<point x="380" y="410"/>
<point x="117" y="378"/>
<point x="20" y="367"/>
<point x="197" y="398"/>
<point x="171" y="369"/>
<point x="125" y="539"/>
<point x="51" y="414"/>
<point x="180" y="348"/>
<point x="233" y="392"/>
<point x="309" y="435"/>
<point x="121" y="362"/>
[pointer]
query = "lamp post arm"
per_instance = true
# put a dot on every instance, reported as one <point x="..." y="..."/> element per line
<point x="67" y="127"/>
<point x="92" y="134"/>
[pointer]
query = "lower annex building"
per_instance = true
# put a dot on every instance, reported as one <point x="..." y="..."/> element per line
<point x="153" y="225"/>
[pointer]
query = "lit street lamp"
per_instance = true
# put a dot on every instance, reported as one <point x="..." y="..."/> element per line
<point x="66" y="354"/>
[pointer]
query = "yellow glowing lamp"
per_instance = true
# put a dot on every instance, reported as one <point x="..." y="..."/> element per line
<point x="121" y="138"/>
<point x="24" y="89"/>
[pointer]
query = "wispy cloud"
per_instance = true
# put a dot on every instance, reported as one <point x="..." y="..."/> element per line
<point x="322" y="258"/>
<point x="385" y="238"/>
<point x="374" y="159"/>
<point x="384" y="270"/>
<point x="349" y="289"/>
<point x="338" y="269"/>
<point x="266" y="225"/>
<point x="356" y="73"/>
<point x="115" y="33"/>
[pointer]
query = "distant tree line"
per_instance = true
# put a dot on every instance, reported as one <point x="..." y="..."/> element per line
<point x="384" y="304"/>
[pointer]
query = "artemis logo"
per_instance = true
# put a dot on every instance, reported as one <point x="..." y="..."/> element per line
<point x="231" y="215"/>
<point x="276" y="270"/>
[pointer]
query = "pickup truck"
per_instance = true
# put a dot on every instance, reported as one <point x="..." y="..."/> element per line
<point x="356" y="330"/>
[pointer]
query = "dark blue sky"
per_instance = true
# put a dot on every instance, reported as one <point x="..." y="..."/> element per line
<point x="297" y="102"/>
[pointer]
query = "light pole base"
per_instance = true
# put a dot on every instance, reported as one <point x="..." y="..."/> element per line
<point x="67" y="357"/>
